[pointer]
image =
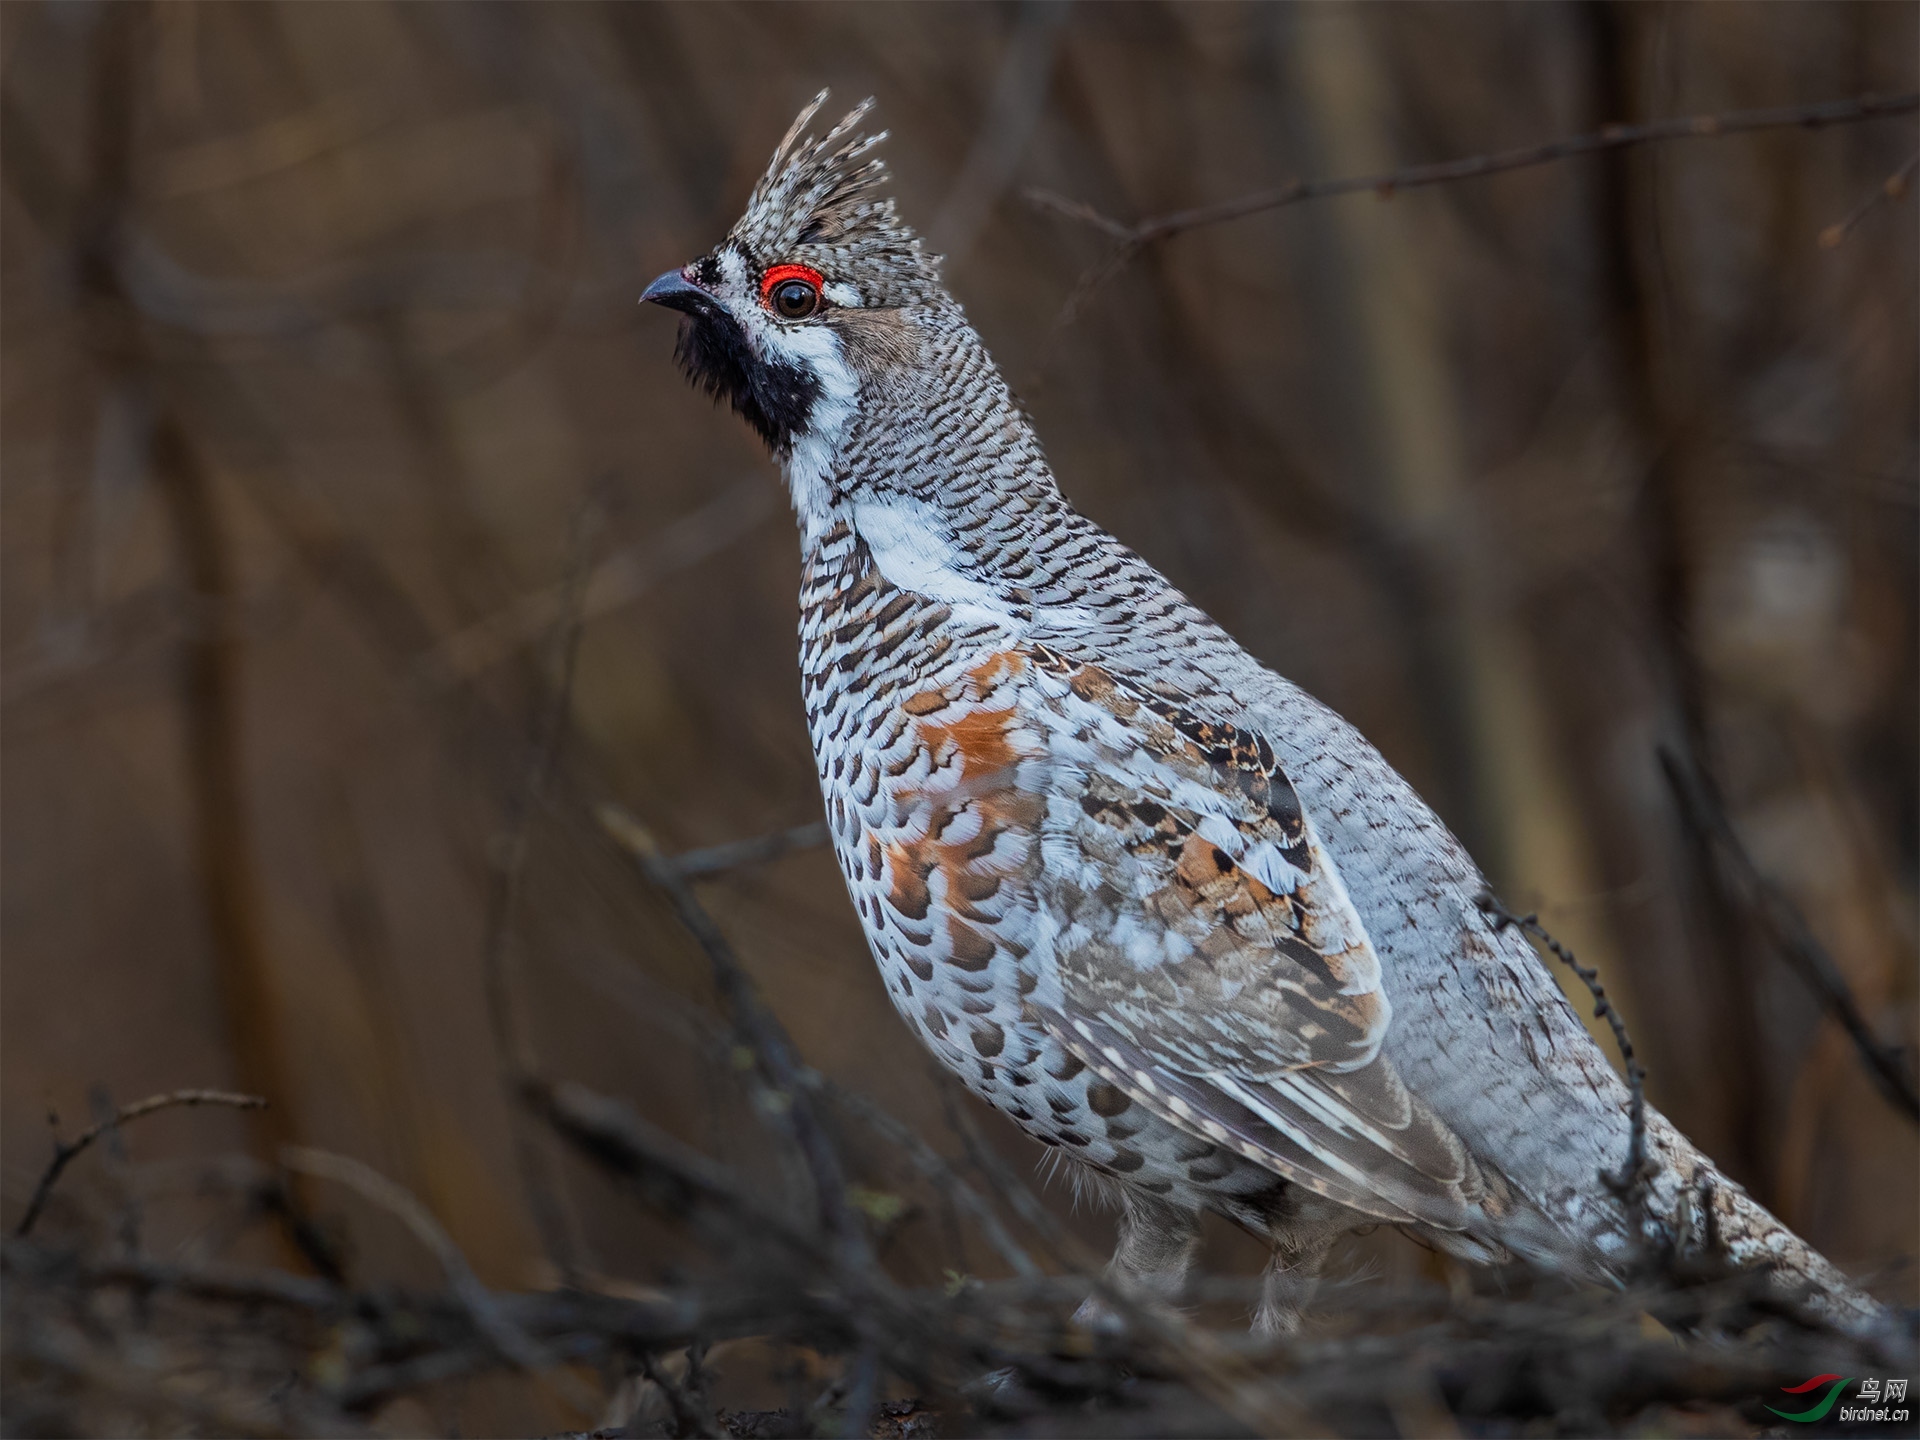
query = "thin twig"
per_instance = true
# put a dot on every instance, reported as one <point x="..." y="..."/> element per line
<point x="500" y="1330"/>
<point x="614" y="583"/>
<point x="118" y="1164"/>
<point x="65" y="1152"/>
<point x="1628" y="1181"/>
<point x="934" y="1166"/>
<point x="762" y="1034"/>
<point x="693" y="864"/>
<point x="789" y="1102"/>
<point x="1780" y="918"/>
<point x="1130" y="239"/>
<point x="1891" y="188"/>
<point x="862" y="1379"/>
<point x="688" y="1419"/>
<point x="670" y="1176"/>
<point x="238" y="1285"/>
<point x="652" y="1004"/>
<point x="513" y="1043"/>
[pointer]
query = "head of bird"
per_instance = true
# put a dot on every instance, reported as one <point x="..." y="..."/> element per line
<point x="818" y="305"/>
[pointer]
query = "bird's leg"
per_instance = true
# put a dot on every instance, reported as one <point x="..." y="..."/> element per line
<point x="1286" y="1289"/>
<point x="1301" y="1240"/>
<point x="1157" y="1244"/>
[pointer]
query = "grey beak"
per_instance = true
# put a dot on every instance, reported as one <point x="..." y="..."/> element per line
<point x="676" y="292"/>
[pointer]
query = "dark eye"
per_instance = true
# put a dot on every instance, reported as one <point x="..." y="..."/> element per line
<point x="794" y="299"/>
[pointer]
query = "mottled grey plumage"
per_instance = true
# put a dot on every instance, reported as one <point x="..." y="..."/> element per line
<point x="1168" y="912"/>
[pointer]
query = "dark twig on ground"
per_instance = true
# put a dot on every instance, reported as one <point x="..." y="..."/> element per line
<point x="1479" y="1358"/>
<point x="688" y="1417"/>
<point x="667" y="1175"/>
<point x="65" y="1152"/>
<point x="1130" y="239"/>
<point x="494" y="1324"/>
<point x="1627" y="1182"/>
<point x="368" y="1183"/>
<point x="305" y="1355"/>
<point x="1783" y="924"/>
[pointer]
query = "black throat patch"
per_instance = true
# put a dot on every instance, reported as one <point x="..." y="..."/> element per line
<point x="777" y="400"/>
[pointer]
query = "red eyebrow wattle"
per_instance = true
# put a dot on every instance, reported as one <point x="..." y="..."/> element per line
<point x="790" y="272"/>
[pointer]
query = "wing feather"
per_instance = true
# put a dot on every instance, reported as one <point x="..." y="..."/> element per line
<point x="1210" y="961"/>
<point x="1201" y="1108"/>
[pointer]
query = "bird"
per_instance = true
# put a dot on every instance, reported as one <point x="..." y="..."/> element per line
<point x="1177" y="919"/>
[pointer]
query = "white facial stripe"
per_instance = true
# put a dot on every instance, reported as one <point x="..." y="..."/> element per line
<point x="815" y="350"/>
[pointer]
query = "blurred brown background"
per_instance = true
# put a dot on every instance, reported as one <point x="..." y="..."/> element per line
<point x="326" y="396"/>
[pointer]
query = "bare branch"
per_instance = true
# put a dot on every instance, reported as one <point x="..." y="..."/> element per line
<point x="64" y="1153"/>
<point x="693" y="864"/>
<point x="763" y="1035"/>
<point x="513" y="1042"/>
<point x="1891" y="188"/>
<point x="673" y="1178"/>
<point x="655" y="1005"/>
<point x="930" y="1163"/>
<point x="242" y="1286"/>
<point x="788" y="1100"/>
<point x="616" y="582"/>
<point x="506" y="1336"/>
<point x="1780" y="918"/>
<point x="1130" y="239"/>
<point x="689" y="1419"/>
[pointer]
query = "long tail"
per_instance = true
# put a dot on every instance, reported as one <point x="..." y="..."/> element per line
<point x="1689" y="1207"/>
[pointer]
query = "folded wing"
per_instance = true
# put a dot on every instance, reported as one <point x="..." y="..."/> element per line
<point x="1210" y="961"/>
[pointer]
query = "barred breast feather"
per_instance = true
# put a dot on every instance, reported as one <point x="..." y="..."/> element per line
<point x="1042" y="847"/>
